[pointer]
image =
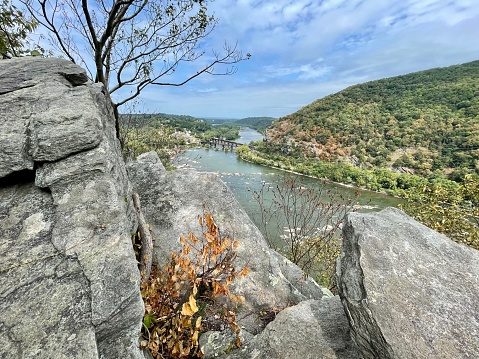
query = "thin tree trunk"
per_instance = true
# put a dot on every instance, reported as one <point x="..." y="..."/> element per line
<point x="117" y="123"/>
<point x="146" y="250"/>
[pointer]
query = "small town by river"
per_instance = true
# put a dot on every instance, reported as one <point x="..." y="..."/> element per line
<point x="245" y="178"/>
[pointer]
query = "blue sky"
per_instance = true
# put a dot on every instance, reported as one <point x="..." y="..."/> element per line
<point x="304" y="50"/>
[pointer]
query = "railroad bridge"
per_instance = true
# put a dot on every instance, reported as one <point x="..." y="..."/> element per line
<point x="224" y="143"/>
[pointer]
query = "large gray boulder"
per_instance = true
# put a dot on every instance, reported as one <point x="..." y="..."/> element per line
<point x="172" y="201"/>
<point x="408" y="291"/>
<point x="47" y="112"/>
<point x="311" y="329"/>
<point x="69" y="282"/>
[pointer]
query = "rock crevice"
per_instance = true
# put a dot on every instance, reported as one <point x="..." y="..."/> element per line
<point x="408" y="291"/>
<point x="69" y="272"/>
<point x="69" y="281"/>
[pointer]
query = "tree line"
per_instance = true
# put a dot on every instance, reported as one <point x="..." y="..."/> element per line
<point x="424" y="123"/>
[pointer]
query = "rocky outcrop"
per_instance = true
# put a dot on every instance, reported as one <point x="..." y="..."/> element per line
<point x="408" y="291"/>
<point x="69" y="283"/>
<point x="44" y="117"/>
<point x="315" y="328"/>
<point x="171" y="203"/>
<point x="309" y="330"/>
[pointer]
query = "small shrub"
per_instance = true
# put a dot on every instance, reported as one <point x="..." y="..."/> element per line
<point x="453" y="211"/>
<point x="310" y="218"/>
<point x="182" y="297"/>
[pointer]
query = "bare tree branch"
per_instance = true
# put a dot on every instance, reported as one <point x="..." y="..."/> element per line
<point x="133" y="43"/>
<point x="308" y="220"/>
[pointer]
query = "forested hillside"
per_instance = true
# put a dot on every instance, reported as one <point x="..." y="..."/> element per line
<point x="257" y="123"/>
<point x="425" y="122"/>
<point x="167" y="134"/>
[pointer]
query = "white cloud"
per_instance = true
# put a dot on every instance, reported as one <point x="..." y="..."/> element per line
<point x="306" y="71"/>
<point x="241" y="102"/>
<point x="305" y="49"/>
<point x="355" y="40"/>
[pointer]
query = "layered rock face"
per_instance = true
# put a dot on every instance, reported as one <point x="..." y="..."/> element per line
<point x="69" y="283"/>
<point x="409" y="292"/>
<point x="314" y="328"/>
<point x="309" y="330"/>
<point x="172" y="202"/>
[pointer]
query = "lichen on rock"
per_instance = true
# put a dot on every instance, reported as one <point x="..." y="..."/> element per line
<point x="68" y="274"/>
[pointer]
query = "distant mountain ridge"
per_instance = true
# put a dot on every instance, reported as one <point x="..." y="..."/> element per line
<point x="257" y="123"/>
<point x="426" y="122"/>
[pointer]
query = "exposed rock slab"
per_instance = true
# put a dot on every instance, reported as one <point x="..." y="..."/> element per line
<point x="409" y="292"/>
<point x="309" y="330"/>
<point x="172" y="201"/>
<point x="69" y="282"/>
<point x="38" y="287"/>
<point x="47" y="112"/>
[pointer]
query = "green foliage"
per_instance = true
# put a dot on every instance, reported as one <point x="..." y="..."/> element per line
<point x="242" y="151"/>
<point x="14" y="31"/>
<point x="139" y="135"/>
<point x="181" y="300"/>
<point x="134" y="43"/>
<point x="183" y="123"/>
<point x="218" y="121"/>
<point x="177" y="122"/>
<point x="378" y="179"/>
<point x="452" y="210"/>
<point x="168" y="135"/>
<point x="426" y="123"/>
<point x="310" y="218"/>
<point x="256" y="123"/>
<point x="227" y="132"/>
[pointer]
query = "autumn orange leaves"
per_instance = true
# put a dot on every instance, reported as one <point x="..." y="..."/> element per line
<point x="180" y="296"/>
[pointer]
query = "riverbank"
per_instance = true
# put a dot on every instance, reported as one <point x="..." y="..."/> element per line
<point x="245" y="153"/>
<point x="378" y="180"/>
<point x="246" y="176"/>
<point x="346" y="185"/>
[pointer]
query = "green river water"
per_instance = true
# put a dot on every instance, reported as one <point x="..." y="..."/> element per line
<point x="245" y="178"/>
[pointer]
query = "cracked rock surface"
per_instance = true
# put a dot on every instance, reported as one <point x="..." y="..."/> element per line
<point x="69" y="283"/>
<point x="172" y="201"/>
<point x="309" y="330"/>
<point x="409" y="291"/>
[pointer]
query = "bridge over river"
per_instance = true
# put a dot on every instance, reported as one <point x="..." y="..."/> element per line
<point x="244" y="178"/>
<point x="224" y="143"/>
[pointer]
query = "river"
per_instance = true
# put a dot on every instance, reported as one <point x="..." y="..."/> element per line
<point x="245" y="178"/>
